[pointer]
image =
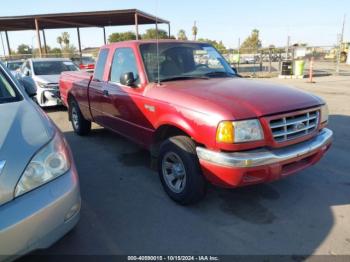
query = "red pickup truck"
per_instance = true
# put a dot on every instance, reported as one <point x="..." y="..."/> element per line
<point x="198" y="118"/>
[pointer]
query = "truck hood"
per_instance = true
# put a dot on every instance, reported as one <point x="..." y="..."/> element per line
<point x="236" y="98"/>
<point x="24" y="129"/>
<point x="47" y="79"/>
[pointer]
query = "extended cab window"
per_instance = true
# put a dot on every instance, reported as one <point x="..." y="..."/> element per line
<point x="123" y="62"/>
<point x="7" y="92"/>
<point x="100" y="65"/>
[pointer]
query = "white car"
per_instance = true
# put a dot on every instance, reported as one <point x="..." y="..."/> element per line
<point x="43" y="74"/>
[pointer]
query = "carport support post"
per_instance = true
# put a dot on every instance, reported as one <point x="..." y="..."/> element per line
<point x="8" y="43"/>
<point x="104" y="35"/>
<point x="79" y="45"/>
<point x="137" y="26"/>
<point x="38" y="36"/>
<point x="169" y="30"/>
<point x="44" y="38"/>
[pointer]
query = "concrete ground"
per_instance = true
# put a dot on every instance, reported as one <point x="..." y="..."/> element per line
<point x="125" y="210"/>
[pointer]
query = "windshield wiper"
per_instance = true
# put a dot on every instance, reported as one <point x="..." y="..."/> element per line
<point x="219" y="74"/>
<point x="182" y="78"/>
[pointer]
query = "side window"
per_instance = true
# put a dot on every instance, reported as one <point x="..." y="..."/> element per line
<point x="100" y="65"/>
<point x="123" y="62"/>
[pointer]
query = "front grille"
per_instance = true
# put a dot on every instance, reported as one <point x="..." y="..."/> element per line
<point x="295" y="126"/>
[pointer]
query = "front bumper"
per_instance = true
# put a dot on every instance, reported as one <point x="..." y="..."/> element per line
<point x="39" y="218"/>
<point x="240" y="168"/>
<point x="48" y="97"/>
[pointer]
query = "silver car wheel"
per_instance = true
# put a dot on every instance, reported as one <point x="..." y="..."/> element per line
<point x="75" y="117"/>
<point x="174" y="172"/>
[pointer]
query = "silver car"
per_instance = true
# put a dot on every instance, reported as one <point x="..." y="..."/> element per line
<point x="39" y="186"/>
<point x="43" y="74"/>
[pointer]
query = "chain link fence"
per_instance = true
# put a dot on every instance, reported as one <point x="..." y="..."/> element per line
<point x="268" y="62"/>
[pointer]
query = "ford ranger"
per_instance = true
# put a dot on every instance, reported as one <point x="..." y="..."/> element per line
<point x="198" y="118"/>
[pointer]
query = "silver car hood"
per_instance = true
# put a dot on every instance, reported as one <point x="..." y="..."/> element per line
<point x="24" y="129"/>
<point x="47" y="79"/>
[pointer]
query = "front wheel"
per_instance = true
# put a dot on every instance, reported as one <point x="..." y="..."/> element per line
<point x="80" y="125"/>
<point x="179" y="170"/>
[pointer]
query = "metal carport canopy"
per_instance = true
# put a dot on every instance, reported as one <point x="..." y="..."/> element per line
<point x="78" y="20"/>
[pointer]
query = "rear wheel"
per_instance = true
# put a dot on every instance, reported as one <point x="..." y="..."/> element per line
<point x="179" y="170"/>
<point x="80" y="125"/>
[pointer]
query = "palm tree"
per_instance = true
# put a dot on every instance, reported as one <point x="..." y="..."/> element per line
<point x="65" y="38"/>
<point x="60" y="41"/>
<point x="194" y="31"/>
<point x="181" y="35"/>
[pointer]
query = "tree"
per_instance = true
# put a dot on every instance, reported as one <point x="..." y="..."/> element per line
<point x="218" y="45"/>
<point x="252" y="42"/>
<point x="60" y="41"/>
<point x="63" y="39"/>
<point x="152" y="34"/>
<point x="118" y="37"/>
<point x="181" y="35"/>
<point x="56" y="51"/>
<point x="194" y="31"/>
<point x="24" y="49"/>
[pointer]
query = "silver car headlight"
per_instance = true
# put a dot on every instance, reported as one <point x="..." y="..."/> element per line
<point x="49" y="163"/>
<point x="324" y="114"/>
<point x="42" y="85"/>
<point x="239" y="131"/>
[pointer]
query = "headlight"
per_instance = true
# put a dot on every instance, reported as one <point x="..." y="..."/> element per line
<point x="239" y="131"/>
<point x="42" y="85"/>
<point x="324" y="114"/>
<point x="50" y="162"/>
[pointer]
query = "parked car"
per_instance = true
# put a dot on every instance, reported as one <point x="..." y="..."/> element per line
<point x="43" y="74"/>
<point x="13" y="65"/>
<point x="198" y="119"/>
<point x="85" y="63"/>
<point x="39" y="188"/>
<point x="248" y="60"/>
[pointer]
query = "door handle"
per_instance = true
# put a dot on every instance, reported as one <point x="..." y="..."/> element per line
<point x="105" y="93"/>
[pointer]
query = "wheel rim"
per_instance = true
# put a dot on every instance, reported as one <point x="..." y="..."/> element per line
<point x="75" y="119"/>
<point x="174" y="172"/>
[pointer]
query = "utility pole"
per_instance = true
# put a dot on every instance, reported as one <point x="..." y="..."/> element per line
<point x="341" y="39"/>
<point x="287" y="48"/>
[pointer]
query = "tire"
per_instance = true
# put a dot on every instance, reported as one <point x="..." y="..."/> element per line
<point x="80" y="125"/>
<point x="178" y="161"/>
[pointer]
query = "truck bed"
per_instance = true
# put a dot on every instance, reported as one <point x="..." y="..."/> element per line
<point x="69" y="79"/>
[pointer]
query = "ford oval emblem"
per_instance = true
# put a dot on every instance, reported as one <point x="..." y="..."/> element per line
<point x="299" y="126"/>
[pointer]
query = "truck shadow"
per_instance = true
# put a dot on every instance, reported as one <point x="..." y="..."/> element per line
<point x="125" y="210"/>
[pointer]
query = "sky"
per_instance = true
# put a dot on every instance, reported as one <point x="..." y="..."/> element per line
<point x="315" y="22"/>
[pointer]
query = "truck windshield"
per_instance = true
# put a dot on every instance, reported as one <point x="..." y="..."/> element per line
<point x="183" y="61"/>
<point x="53" y="67"/>
<point x="7" y="92"/>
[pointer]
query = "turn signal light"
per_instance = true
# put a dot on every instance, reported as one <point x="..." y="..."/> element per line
<point x="225" y="132"/>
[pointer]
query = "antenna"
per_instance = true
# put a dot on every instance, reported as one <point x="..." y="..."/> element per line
<point x="157" y="37"/>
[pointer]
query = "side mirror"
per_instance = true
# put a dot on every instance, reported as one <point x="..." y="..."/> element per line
<point x="26" y="72"/>
<point x="28" y="88"/>
<point x="128" y="79"/>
